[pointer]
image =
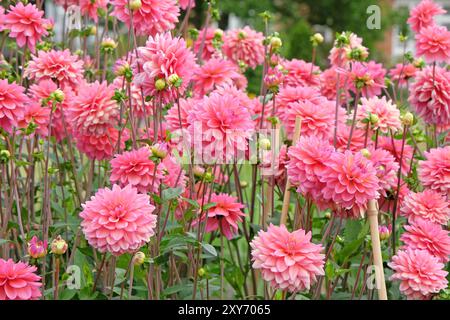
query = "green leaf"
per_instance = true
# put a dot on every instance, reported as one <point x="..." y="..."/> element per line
<point x="171" y="193"/>
<point x="209" y="249"/>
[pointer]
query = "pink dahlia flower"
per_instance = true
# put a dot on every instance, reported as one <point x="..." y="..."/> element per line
<point x="300" y="73"/>
<point x="209" y="50"/>
<point x="12" y="104"/>
<point x="162" y="57"/>
<point x="343" y="134"/>
<point x="434" y="172"/>
<point x="422" y="15"/>
<point x="402" y="73"/>
<point x="339" y="55"/>
<point x="420" y="274"/>
<point x="19" y="281"/>
<point x="387" y="169"/>
<point x="244" y="45"/>
<point x="93" y="111"/>
<point x="434" y="44"/>
<point x="173" y="174"/>
<point x="427" y="205"/>
<point x="394" y="146"/>
<point x="173" y="118"/>
<point x="317" y="119"/>
<point x="37" y="248"/>
<point x="89" y="7"/>
<point x="288" y="261"/>
<point x="141" y="109"/>
<point x="60" y="124"/>
<point x="102" y="146"/>
<point x="224" y="215"/>
<point x="350" y="182"/>
<point x="307" y="162"/>
<point x="136" y="169"/>
<point x="387" y="112"/>
<point x="56" y="65"/>
<point x="220" y="128"/>
<point x="430" y="95"/>
<point x="288" y="95"/>
<point x="184" y="4"/>
<point x="2" y="19"/>
<point x="26" y="24"/>
<point x="429" y="236"/>
<point x="367" y="78"/>
<point x="153" y="17"/>
<point x="38" y="115"/>
<point x="232" y="90"/>
<point x="118" y="220"/>
<point x="216" y="72"/>
<point x="328" y="85"/>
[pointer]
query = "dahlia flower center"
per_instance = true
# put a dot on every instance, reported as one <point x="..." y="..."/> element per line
<point x="117" y="213"/>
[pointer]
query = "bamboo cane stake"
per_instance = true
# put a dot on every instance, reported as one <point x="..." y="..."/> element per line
<point x="372" y="214"/>
<point x="287" y="194"/>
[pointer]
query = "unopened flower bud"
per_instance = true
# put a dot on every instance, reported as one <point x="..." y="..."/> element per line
<point x="328" y="215"/>
<point x="37" y="248"/>
<point x="373" y="119"/>
<point x="242" y="34"/>
<point x="208" y="177"/>
<point x="135" y="5"/>
<point x="160" y="84"/>
<point x="385" y="232"/>
<point x="198" y="171"/>
<point x="175" y="80"/>
<point x="92" y="30"/>
<point x="108" y="45"/>
<point x="317" y="39"/>
<point x="58" y="246"/>
<point x="365" y="153"/>
<point x="159" y="150"/>
<point x="57" y="95"/>
<point x="201" y="272"/>
<point x="408" y="119"/>
<point x="275" y="43"/>
<point x="138" y="258"/>
<point x="218" y="33"/>
<point x="243" y="184"/>
<point x="264" y="143"/>
<point x="4" y="156"/>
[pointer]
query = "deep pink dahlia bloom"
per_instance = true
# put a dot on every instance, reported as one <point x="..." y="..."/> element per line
<point x="288" y="95"/>
<point x="427" y="205"/>
<point x="136" y="169"/>
<point x="184" y="4"/>
<point x="387" y="112"/>
<point x="19" y="281"/>
<point x="430" y="95"/>
<point x="420" y="274"/>
<point x="26" y="24"/>
<point x="163" y="56"/>
<point x="12" y="104"/>
<point x="394" y="146"/>
<point x="103" y="146"/>
<point x="387" y="169"/>
<point x="301" y="73"/>
<point x="173" y="118"/>
<point x="350" y="181"/>
<point x="434" y="44"/>
<point x="422" y="15"/>
<point x="434" y="172"/>
<point x="328" y="85"/>
<point x="343" y="134"/>
<point x="59" y="66"/>
<point x="38" y="115"/>
<point x="93" y="111"/>
<point x="426" y="235"/>
<point x="224" y="215"/>
<point x="216" y="72"/>
<point x="402" y="73"/>
<point x="2" y="18"/>
<point x="154" y="16"/>
<point x="209" y="50"/>
<point x="307" y="161"/>
<point x="289" y="261"/>
<point x="118" y="220"/>
<point x="366" y="77"/>
<point x="244" y="45"/>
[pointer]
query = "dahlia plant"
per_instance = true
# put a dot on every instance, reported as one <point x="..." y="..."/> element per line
<point x="133" y="149"/>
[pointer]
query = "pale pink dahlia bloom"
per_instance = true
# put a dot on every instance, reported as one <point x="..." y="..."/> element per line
<point x="209" y="50"/>
<point x="288" y="261"/>
<point x="12" y="104"/>
<point x="402" y="73"/>
<point x="103" y="146"/>
<point x="307" y="161"/>
<point x="367" y="78"/>
<point x="317" y="119"/>
<point x="350" y="182"/>
<point x="420" y="274"/>
<point x="223" y="216"/>
<point x="153" y="17"/>
<point x="244" y="45"/>
<point x="93" y="111"/>
<point x="19" y="281"/>
<point x="26" y="24"/>
<point x="434" y="44"/>
<point x="300" y="73"/>
<point x="430" y="95"/>
<point x="387" y="168"/>
<point x="434" y="172"/>
<point x="220" y="128"/>
<point x="394" y="146"/>
<point x="163" y="56"/>
<point x="59" y="66"/>
<point x="387" y="112"/>
<point x="118" y="220"/>
<point x="136" y="169"/>
<point x="89" y="7"/>
<point x="422" y="15"/>
<point x="429" y="236"/>
<point x="427" y="205"/>
<point x="216" y="72"/>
